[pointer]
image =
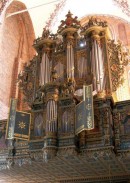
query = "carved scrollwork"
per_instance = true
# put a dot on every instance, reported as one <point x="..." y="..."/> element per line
<point x="117" y="60"/>
<point x="81" y="53"/>
<point x="26" y="80"/>
<point x="123" y="115"/>
<point x="66" y="151"/>
<point x="59" y="46"/>
<point x="69" y="22"/>
<point x="59" y="58"/>
<point x="93" y="21"/>
<point x="116" y="119"/>
<point x="99" y="153"/>
<point x="48" y="153"/>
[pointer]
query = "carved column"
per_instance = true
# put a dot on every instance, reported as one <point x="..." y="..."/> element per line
<point x="50" y="140"/>
<point x="45" y="47"/>
<point x="106" y="121"/>
<point x="116" y="119"/>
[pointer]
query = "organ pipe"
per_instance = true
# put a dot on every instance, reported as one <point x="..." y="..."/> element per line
<point x="51" y="119"/>
<point x="97" y="60"/>
<point x="70" y="61"/>
<point x="44" y="70"/>
<point x="82" y="67"/>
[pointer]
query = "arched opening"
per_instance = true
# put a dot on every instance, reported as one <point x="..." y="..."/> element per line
<point x="16" y="49"/>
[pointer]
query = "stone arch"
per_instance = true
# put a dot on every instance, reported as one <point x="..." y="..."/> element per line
<point x="17" y="37"/>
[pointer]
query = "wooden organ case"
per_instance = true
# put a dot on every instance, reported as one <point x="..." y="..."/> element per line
<point x="53" y="85"/>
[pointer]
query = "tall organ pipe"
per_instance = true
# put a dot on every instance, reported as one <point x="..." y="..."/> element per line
<point x="97" y="61"/>
<point x="70" y="61"/>
<point x="51" y="121"/>
<point x="82" y="66"/>
<point x="44" y="70"/>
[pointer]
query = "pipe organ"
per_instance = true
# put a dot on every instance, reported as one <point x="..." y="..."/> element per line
<point x="70" y="61"/>
<point x="63" y="67"/>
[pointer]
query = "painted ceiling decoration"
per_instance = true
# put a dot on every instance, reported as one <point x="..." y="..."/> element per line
<point x="124" y="5"/>
<point x="57" y="10"/>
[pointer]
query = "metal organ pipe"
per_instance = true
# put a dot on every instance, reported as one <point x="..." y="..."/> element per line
<point x="55" y="116"/>
<point x="47" y="119"/>
<point x="101" y="66"/>
<point x="93" y="67"/>
<point x="82" y="67"/>
<point x="70" y="61"/>
<point x="102" y="74"/>
<point x="51" y="108"/>
<point x="51" y="116"/>
<point x="42" y="71"/>
<point x="45" y="70"/>
<point x="97" y="67"/>
<point x="82" y="62"/>
<point x="49" y="76"/>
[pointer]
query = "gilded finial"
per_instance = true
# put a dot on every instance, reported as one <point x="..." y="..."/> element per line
<point x="69" y="22"/>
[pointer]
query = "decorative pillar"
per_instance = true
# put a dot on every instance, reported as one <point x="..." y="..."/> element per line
<point x="51" y="91"/>
<point x="116" y="120"/>
<point x="68" y="29"/>
<point x="45" y="47"/>
<point x="106" y="125"/>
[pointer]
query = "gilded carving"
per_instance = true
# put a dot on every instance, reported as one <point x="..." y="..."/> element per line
<point x="117" y="61"/>
<point x="69" y="22"/>
<point x="27" y="80"/>
<point x="81" y="53"/>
